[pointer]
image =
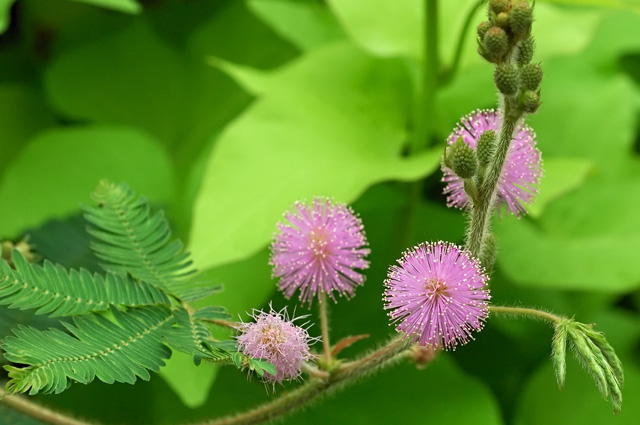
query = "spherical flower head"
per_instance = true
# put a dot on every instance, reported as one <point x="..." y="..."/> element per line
<point x="437" y="295"/>
<point x="274" y="338"/>
<point x="522" y="171"/>
<point x="318" y="249"/>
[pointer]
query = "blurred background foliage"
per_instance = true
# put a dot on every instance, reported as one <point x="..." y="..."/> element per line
<point x="224" y="112"/>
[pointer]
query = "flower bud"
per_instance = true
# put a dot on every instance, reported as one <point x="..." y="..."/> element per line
<point x="506" y="79"/>
<point x="531" y="76"/>
<point x="486" y="145"/>
<point x="496" y="43"/>
<point x="502" y="20"/>
<point x="463" y="159"/>
<point x="482" y="29"/>
<point x="498" y="6"/>
<point x="531" y="101"/>
<point x="525" y="51"/>
<point x="520" y="18"/>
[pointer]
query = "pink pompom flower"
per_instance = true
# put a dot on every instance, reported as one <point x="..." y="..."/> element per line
<point x="522" y="171"/>
<point x="318" y="249"/>
<point x="274" y="338"/>
<point x="437" y="295"/>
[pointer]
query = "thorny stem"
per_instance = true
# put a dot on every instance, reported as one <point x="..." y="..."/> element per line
<point x="324" y="325"/>
<point x="316" y="388"/>
<point x="529" y="313"/>
<point x="483" y="209"/>
<point x="34" y="410"/>
<point x="450" y="73"/>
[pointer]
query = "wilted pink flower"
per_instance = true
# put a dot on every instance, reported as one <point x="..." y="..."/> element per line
<point x="437" y="295"/>
<point x="522" y="168"/>
<point x="274" y="338"/>
<point x="318" y="249"/>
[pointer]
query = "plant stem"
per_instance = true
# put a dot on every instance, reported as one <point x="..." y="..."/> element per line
<point x="487" y="192"/>
<point x="450" y="73"/>
<point x="324" y="325"/>
<point x="33" y="410"/>
<point x="529" y="313"/>
<point x="426" y="104"/>
<point x="317" y="388"/>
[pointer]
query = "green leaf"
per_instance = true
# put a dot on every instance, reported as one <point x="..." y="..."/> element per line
<point x="57" y="292"/>
<point x="561" y="175"/>
<point x="5" y="12"/>
<point x="579" y="402"/>
<point x="306" y="25"/>
<point x="132" y="240"/>
<point x="96" y="347"/>
<point x="191" y="383"/>
<point x="192" y="336"/>
<point x="633" y="5"/>
<point x="126" y="6"/>
<point x="24" y="113"/>
<point x="559" y="352"/>
<point x="331" y="123"/>
<point x="131" y="77"/>
<point x="73" y="161"/>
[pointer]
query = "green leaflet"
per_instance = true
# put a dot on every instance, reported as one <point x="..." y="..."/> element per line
<point x="132" y="240"/>
<point x="57" y="292"/>
<point x="192" y="336"/>
<point x="96" y="347"/>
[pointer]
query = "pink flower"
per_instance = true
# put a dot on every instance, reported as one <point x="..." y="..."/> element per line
<point x="437" y="295"/>
<point x="318" y="249"/>
<point x="521" y="173"/>
<point x="274" y="338"/>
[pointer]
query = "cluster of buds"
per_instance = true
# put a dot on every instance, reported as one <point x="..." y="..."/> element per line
<point x="22" y="246"/>
<point x="505" y="39"/>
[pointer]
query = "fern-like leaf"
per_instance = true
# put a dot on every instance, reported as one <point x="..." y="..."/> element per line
<point x="95" y="347"/>
<point x="57" y="292"/>
<point x="192" y="336"/>
<point x="129" y="239"/>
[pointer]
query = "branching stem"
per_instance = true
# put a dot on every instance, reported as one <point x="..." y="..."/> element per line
<point x="41" y="413"/>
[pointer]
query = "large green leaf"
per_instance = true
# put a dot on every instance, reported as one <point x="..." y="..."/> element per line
<point x="127" y="6"/>
<point x="72" y="162"/>
<point x="308" y="25"/>
<point x="331" y="123"/>
<point x="617" y="4"/>
<point x="5" y="9"/>
<point x="131" y="77"/>
<point x="24" y="113"/>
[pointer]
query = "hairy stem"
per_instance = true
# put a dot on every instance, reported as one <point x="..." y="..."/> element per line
<point x="483" y="208"/>
<point x="450" y="73"/>
<point x="24" y="405"/>
<point x="316" y="388"/>
<point x="529" y="313"/>
<point x="324" y="325"/>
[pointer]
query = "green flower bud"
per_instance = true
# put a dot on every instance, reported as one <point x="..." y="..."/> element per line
<point x="463" y="159"/>
<point x="506" y="78"/>
<point x="498" y="6"/>
<point x="531" y="101"/>
<point x="482" y="29"/>
<point x="502" y="20"/>
<point x="486" y="146"/>
<point x="525" y="51"/>
<point x="520" y="18"/>
<point x="496" y="43"/>
<point x="531" y="76"/>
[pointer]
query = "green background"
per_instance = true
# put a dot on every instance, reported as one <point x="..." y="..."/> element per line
<point x="225" y="112"/>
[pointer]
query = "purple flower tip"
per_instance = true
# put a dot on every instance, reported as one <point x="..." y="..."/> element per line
<point x="274" y="338"/>
<point x="437" y="295"/>
<point x="318" y="249"/>
<point x="522" y="169"/>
